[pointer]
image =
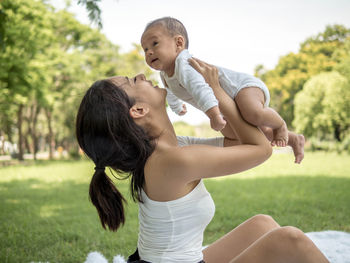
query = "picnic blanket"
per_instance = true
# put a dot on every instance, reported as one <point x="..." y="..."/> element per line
<point x="335" y="245"/>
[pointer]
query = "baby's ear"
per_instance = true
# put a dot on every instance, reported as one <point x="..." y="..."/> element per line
<point x="138" y="111"/>
<point x="180" y="42"/>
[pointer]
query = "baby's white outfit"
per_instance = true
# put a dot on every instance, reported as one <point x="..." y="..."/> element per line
<point x="188" y="85"/>
<point x="172" y="231"/>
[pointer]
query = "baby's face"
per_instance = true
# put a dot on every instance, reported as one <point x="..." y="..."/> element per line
<point x="160" y="49"/>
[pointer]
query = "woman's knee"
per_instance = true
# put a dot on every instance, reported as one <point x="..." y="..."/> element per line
<point x="287" y="242"/>
<point x="292" y="236"/>
<point x="264" y="221"/>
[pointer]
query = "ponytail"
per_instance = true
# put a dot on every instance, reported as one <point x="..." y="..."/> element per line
<point x="107" y="200"/>
<point x="109" y="137"/>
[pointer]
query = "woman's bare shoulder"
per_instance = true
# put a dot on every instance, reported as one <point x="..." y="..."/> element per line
<point x="182" y="163"/>
<point x="169" y="161"/>
<point x="168" y="174"/>
<point x="169" y="156"/>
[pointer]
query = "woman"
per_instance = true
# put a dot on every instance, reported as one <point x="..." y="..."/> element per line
<point x="122" y="123"/>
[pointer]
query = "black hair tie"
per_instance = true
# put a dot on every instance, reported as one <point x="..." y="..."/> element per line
<point x="99" y="169"/>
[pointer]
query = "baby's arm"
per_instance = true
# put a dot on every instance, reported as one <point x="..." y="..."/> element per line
<point x="176" y="105"/>
<point x="217" y="122"/>
<point x="201" y="92"/>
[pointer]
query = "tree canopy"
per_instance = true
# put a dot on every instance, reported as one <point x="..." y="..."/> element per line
<point x="322" y="108"/>
<point x="48" y="60"/>
<point x="320" y="53"/>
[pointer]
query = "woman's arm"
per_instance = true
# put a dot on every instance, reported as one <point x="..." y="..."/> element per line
<point x="202" y="161"/>
<point x="245" y="132"/>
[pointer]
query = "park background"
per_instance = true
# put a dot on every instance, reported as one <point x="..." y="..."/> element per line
<point x="51" y="51"/>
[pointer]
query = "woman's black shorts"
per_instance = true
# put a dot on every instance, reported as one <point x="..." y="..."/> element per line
<point x="135" y="258"/>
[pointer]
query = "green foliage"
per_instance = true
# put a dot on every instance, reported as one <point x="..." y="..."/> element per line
<point x="94" y="11"/>
<point x="322" y="108"/>
<point x="184" y="129"/>
<point x="47" y="62"/>
<point x="343" y="56"/>
<point x="317" y="54"/>
<point x="315" y="144"/>
<point x="345" y="144"/>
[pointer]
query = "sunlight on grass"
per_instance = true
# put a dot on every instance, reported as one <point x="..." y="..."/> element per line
<point x="53" y="172"/>
<point x="46" y="214"/>
<point x="50" y="210"/>
<point x="12" y="201"/>
<point x="314" y="164"/>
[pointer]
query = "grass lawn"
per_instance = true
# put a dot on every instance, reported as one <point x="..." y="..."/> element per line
<point x="45" y="214"/>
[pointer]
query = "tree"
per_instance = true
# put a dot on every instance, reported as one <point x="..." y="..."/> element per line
<point x="317" y="54"/>
<point x="24" y="35"/>
<point x="343" y="56"/>
<point x="94" y="11"/>
<point x="322" y="108"/>
<point x="47" y="62"/>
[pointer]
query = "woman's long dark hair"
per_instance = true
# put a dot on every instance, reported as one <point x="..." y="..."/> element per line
<point x="109" y="137"/>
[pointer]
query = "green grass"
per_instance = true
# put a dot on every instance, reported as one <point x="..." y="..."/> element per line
<point x="46" y="215"/>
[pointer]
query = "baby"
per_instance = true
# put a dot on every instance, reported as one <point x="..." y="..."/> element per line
<point x="165" y="43"/>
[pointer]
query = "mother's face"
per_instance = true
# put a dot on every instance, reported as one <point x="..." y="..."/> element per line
<point x="141" y="89"/>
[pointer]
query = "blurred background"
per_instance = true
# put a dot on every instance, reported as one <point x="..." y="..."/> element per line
<point x="51" y="51"/>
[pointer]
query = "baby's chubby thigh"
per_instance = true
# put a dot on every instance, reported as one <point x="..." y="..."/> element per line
<point x="251" y="103"/>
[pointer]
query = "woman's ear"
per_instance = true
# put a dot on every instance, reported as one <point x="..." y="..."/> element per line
<point x="180" y="42"/>
<point x="138" y="111"/>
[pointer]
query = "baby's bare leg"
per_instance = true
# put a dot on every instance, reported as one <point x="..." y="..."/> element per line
<point x="250" y="102"/>
<point x="296" y="141"/>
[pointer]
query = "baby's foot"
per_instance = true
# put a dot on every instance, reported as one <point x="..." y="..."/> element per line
<point x="217" y="123"/>
<point x="297" y="141"/>
<point x="280" y="136"/>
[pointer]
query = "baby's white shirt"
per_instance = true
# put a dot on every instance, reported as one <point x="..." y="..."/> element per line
<point x="188" y="85"/>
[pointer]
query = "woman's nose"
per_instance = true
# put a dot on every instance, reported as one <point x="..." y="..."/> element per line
<point x="141" y="76"/>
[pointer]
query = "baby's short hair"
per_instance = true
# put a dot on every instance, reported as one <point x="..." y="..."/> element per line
<point x="172" y="25"/>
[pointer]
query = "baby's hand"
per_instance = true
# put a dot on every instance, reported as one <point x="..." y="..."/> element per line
<point x="217" y="122"/>
<point x="184" y="110"/>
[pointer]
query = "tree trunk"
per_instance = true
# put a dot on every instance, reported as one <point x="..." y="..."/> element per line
<point x="20" y="135"/>
<point x="32" y="128"/>
<point x="337" y="132"/>
<point x="26" y="143"/>
<point x="28" y="118"/>
<point x="2" y="142"/>
<point x="51" y="139"/>
<point x="9" y="131"/>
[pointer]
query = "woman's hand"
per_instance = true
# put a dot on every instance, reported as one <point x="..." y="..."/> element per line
<point x="251" y="149"/>
<point x="211" y="76"/>
<point x="209" y="72"/>
<point x="245" y="132"/>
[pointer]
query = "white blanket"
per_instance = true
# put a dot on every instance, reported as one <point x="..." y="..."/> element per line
<point x="335" y="245"/>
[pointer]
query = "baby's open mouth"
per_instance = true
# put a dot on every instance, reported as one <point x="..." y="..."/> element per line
<point x="153" y="60"/>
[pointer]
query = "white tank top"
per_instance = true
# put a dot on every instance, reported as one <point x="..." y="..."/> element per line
<point x="172" y="231"/>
